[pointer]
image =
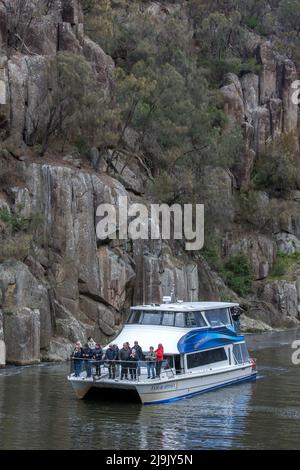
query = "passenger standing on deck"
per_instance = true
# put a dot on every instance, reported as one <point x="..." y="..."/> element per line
<point x="116" y="349"/>
<point x="159" y="358"/>
<point x="91" y="343"/>
<point x="87" y="355"/>
<point x="76" y="356"/>
<point x="139" y="355"/>
<point x="150" y="359"/>
<point x="97" y="355"/>
<point x="133" y="362"/>
<point x="124" y="355"/>
<point x="111" y="357"/>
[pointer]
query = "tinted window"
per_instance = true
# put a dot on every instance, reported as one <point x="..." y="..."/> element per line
<point x="149" y="318"/>
<point x="179" y="319"/>
<point x="194" y="319"/>
<point x="217" y="317"/>
<point x="134" y="317"/>
<point x="206" y="357"/>
<point x="241" y="353"/>
<point x="190" y="319"/>
<point x="168" y="319"/>
<point x="199" y="319"/>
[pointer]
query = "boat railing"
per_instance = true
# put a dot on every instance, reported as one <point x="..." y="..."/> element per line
<point x="114" y="369"/>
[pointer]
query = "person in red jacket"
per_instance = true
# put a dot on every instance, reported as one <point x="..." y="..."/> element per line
<point x="159" y="359"/>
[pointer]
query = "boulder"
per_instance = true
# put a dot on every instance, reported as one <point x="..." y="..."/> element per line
<point x="250" y="325"/>
<point x="60" y="349"/>
<point x="278" y="303"/>
<point x="22" y="335"/>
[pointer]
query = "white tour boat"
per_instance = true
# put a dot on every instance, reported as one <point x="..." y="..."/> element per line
<point x="203" y="351"/>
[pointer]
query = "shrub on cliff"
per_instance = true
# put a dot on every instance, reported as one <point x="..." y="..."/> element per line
<point x="276" y="171"/>
<point x="75" y="106"/>
<point x="238" y="275"/>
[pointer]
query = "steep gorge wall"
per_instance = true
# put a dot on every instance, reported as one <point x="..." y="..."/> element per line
<point x="72" y="286"/>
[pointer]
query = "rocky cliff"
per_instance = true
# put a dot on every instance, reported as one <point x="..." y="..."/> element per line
<point x="69" y="285"/>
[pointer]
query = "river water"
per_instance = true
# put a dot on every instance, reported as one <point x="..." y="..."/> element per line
<point x="38" y="410"/>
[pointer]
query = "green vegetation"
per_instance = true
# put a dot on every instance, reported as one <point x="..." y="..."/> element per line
<point x="163" y="93"/>
<point x="235" y="271"/>
<point x="237" y="274"/>
<point x="285" y="262"/>
<point x="17" y="233"/>
<point x="277" y="169"/>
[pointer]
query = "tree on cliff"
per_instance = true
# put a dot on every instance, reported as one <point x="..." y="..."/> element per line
<point x="74" y="105"/>
<point x="20" y="16"/>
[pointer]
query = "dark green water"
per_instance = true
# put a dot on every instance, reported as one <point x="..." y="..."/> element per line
<point x="38" y="410"/>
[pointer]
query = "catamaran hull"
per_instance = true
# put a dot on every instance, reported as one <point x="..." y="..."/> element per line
<point x="165" y="391"/>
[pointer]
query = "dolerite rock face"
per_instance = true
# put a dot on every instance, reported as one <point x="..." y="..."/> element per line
<point x="22" y="336"/>
<point x="278" y="304"/>
<point x="21" y="289"/>
<point x="24" y="71"/>
<point x="262" y="104"/>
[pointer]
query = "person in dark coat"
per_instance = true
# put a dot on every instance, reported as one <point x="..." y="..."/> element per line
<point x="87" y="355"/>
<point x="124" y="355"/>
<point x="77" y="359"/>
<point x="139" y="355"/>
<point x="117" y="350"/>
<point x="111" y="356"/>
<point x="97" y="355"/>
<point x="133" y="364"/>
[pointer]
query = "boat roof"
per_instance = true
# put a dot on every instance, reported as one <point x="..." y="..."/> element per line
<point x="184" y="306"/>
<point x="151" y="335"/>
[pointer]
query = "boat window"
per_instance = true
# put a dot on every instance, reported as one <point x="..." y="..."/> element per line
<point x="200" y="322"/>
<point x="179" y="319"/>
<point x="241" y="353"/>
<point x="134" y="317"/>
<point x="168" y="319"/>
<point x="206" y="357"/>
<point x="218" y="317"/>
<point x="149" y="318"/>
<point x="190" y="319"/>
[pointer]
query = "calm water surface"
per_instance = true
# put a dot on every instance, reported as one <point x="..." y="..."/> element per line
<point x="38" y="410"/>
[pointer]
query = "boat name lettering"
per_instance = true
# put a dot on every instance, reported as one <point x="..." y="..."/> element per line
<point x="200" y="341"/>
<point x="163" y="387"/>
